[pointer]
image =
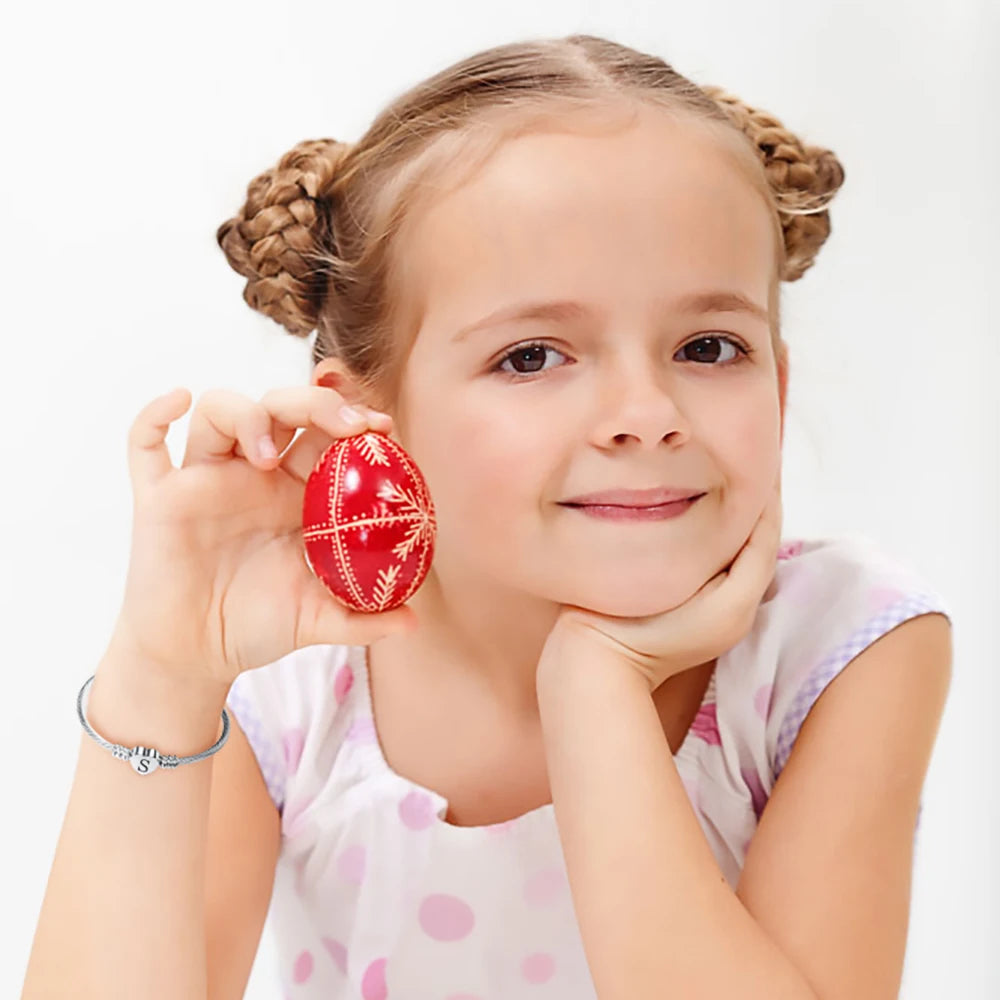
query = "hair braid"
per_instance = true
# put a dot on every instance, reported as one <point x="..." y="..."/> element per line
<point x="803" y="178"/>
<point x="281" y="231"/>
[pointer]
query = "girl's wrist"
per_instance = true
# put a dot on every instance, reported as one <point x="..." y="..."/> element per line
<point x="126" y="658"/>
<point x="132" y="707"/>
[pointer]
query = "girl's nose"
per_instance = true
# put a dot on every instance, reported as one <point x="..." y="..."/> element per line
<point x="641" y="403"/>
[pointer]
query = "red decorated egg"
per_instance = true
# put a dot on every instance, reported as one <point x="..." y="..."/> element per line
<point x="368" y="522"/>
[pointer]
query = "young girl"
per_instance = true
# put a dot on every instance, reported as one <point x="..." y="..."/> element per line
<point x="611" y="748"/>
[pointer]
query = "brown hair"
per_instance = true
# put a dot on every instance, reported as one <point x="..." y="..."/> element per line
<point x="316" y="235"/>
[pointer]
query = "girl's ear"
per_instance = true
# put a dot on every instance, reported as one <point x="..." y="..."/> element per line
<point x="332" y="373"/>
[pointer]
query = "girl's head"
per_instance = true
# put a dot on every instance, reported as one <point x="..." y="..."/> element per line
<point x="579" y="172"/>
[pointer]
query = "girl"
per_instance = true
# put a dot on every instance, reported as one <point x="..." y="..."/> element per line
<point x="612" y="748"/>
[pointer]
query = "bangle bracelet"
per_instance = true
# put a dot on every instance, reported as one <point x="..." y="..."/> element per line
<point x="145" y="760"/>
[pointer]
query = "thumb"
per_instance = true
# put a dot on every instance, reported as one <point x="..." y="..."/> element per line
<point x="338" y="624"/>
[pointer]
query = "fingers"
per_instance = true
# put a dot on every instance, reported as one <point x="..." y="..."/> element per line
<point x="325" y="619"/>
<point x="316" y="439"/>
<point x="732" y="596"/>
<point x="752" y="571"/>
<point x="226" y="423"/>
<point x="148" y="457"/>
<point x="369" y="628"/>
<point x="300" y="459"/>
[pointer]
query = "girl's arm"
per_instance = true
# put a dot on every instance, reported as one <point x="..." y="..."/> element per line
<point x="822" y="904"/>
<point x="656" y="915"/>
<point x="124" y="910"/>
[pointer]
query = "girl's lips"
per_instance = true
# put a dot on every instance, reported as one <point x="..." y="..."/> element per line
<point x="635" y="498"/>
<point x="660" y="512"/>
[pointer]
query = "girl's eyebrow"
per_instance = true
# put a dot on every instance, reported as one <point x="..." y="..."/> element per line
<point x="561" y="310"/>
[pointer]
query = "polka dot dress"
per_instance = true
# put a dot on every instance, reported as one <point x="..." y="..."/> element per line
<point x="377" y="897"/>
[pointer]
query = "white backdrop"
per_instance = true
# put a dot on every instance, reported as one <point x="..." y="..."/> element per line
<point x="131" y="132"/>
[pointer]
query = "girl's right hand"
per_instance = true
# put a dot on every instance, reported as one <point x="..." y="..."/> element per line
<point x="218" y="581"/>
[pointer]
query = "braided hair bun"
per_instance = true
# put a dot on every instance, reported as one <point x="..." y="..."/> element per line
<point x="283" y="231"/>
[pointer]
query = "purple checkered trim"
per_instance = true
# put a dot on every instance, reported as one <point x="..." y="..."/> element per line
<point x="270" y="760"/>
<point x="891" y="616"/>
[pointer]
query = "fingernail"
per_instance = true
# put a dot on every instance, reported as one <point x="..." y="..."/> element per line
<point x="351" y="415"/>
<point x="266" y="447"/>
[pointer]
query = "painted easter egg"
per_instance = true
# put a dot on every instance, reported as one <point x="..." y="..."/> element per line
<point x="368" y="522"/>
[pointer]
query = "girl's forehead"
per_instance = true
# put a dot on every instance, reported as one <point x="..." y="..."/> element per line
<point x="657" y="159"/>
<point x="573" y="234"/>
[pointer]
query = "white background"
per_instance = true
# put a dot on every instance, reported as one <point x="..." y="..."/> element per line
<point x="131" y="131"/>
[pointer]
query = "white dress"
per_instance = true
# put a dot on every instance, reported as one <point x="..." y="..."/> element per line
<point x="376" y="897"/>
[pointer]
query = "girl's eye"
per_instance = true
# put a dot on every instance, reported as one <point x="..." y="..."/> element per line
<point x="527" y="354"/>
<point x="743" y="352"/>
<point x="532" y="353"/>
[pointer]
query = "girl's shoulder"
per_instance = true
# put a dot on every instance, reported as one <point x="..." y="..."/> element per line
<point x="833" y="581"/>
<point x="830" y="599"/>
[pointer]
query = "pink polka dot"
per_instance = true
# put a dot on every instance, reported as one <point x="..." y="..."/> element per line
<point x="799" y="588"/>
<point x="544" y="886"/>
<point x="293" y="740"/>
<point x="362" y="730"/>
<point x="757" y="794"/>
<point x="788" y="550"/>
<point x="538" y="968"/>
<point x="705" y="725"/>
<point x="337" y="952"/>
<point x="502" y="828"/>
<point x="303" y="967"/>
<point x="882" y="597"/>
<point x="293" y="816"/>
<point x="301" y="886"/>
<point x="351" y="864"/>
<point x="446" y="918"/>
<point x="762" y="700"/>
<point x="342" y="683"/>
<point x="373" y="981"/>
<point x="416" y="810"/>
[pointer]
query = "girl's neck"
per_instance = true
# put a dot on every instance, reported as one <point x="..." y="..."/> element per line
<point x="486" y="645"/>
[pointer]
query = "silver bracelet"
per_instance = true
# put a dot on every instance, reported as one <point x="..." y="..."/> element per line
<point x="145" y="760"/>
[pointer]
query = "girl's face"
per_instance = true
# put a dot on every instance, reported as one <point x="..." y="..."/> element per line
<point x="625" y="384"/>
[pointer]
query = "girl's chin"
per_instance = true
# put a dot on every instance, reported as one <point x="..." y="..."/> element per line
<point x="619" y="605"/>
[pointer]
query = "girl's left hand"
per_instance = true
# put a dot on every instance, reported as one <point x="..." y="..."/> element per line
<point x="710" y="622"/>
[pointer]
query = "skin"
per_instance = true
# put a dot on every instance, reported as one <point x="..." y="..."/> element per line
<point x="624" y="221"/>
